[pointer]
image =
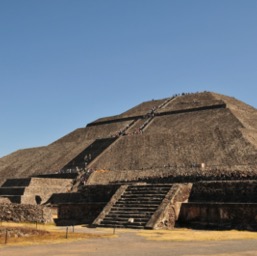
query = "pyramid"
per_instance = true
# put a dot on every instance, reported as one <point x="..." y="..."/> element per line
<point x="159" y="138"/>
<point x="184" y="161"/>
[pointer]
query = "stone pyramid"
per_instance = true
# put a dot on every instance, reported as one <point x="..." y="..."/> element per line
<point x="196" y="135"/>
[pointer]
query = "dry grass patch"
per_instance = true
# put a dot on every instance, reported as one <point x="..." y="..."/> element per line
<point x="28" y="234"/>
<point x="196" y="235"/>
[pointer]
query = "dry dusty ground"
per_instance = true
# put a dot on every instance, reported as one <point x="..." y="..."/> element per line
<point x="135" y="242"/>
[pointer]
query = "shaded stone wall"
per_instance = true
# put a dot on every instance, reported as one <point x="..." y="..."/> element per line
<point x="25" y="213"/>
<point x="74" y="214"/>
<point x="90" y="202"/>
<point x="99" y="193"/>
<point x="224" y="191"/>
<point x="88" y="194"/>
<point x="218" y="216"/>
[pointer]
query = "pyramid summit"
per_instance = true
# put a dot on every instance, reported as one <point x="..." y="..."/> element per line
<point x="186" y="160"/>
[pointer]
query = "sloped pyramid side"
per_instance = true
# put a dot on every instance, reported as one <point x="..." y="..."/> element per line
<point x="212" y="136"/>
<point x="51" y="158"/>
<point x="245" y="113"/>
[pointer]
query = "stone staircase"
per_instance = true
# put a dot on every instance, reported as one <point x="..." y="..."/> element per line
<point x="91" y="153"/>
<point x="136" y="206"/>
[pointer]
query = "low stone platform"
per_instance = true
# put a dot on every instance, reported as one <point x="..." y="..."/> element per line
<point x="218" y="216"/>
<point x="33" y="190"/>
<point x="221" y="205"/>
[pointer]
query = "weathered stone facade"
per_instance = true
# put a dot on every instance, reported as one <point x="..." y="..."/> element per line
<point x="220" y="216"/>
<point x="25" y="213"/>
<point x="83" y="207"/>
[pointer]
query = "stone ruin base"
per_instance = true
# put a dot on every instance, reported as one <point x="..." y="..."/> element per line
<point x="25" y="213"/>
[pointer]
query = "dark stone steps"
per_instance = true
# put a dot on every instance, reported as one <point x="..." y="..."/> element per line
<point x="141" y="200"/>
<point x="126" y="219"/>
<point x="130" y="188"/>
<point x="149" y="186"/>
<point x="132" y="205"/>
<point x="142" y="197"/>
<point x="113" y="222"/>
<point x="130" y="209"/>
<point x="138" y="202"/>
<point x="159" y="189"/>
<point x="146" y="194"/>
<point x="120" y="226"/>
<point x="131" y="215"/>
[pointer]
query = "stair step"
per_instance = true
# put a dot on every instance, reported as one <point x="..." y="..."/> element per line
<point x="137" y="189"/>
<point x="127" y="217"/>
<point x="133" y="204"/>
<point x="142" y="197"/>
<point x="151" y="186"/>
<point x="137" y="204"/>
<point x="149" y="202"/>
<point x="133" y="208"/>
<point x="121" y="226"/>
<point x="148" y="190"/>
<point x="130" y="215"/>
<point x="112" y="222"/>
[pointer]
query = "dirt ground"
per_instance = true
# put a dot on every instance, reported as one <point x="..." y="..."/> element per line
<point x="145" y="243"/>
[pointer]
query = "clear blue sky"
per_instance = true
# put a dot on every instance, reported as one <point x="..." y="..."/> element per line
<point x="65" y="63"/>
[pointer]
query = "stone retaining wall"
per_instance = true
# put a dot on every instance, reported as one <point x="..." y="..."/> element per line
<point x="221" y="216"/>
<point x="74" y="214"/>
<point x="25" y="213"/>
<point x="173" y="174"/>
<point x="224" y="191"/>
<point x="168" y="211"/>
<point x="87" y="204"/>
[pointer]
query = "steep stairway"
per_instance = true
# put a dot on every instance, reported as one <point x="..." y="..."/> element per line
<point x="135" y="206"/>
<point x="89" y="154"/>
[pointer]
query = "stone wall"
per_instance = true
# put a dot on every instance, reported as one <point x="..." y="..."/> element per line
<point x="33" y="190"/>
<point x="224" y="191"/>
<point x="218" y="216"/>
<point x="99" y="193"/>
<point x="40" y="189"/>
<point x="74" y="214"/>
<point x="168" y="211"/>
<point x="89" y="203"/>
<point x="174" y="174"/>
<point x="25" y="213"/>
